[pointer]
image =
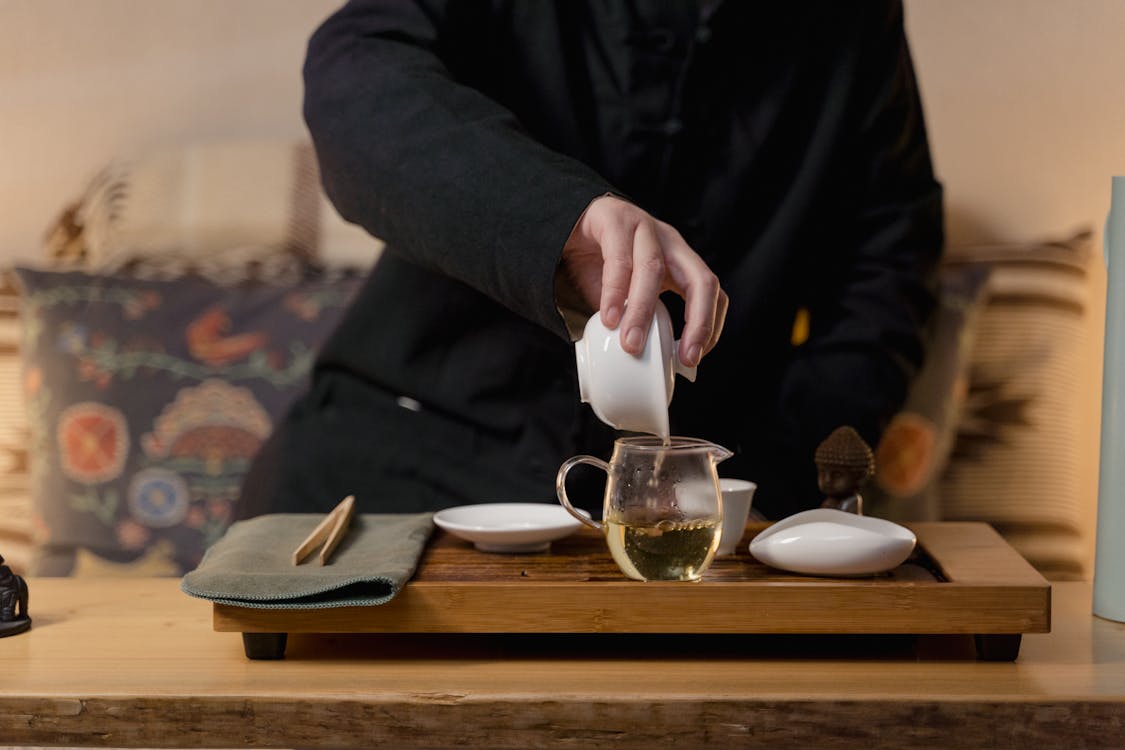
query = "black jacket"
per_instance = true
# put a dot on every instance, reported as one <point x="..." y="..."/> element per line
<point x="784" y="140"/>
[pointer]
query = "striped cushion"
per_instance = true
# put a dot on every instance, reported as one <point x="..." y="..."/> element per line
<point x="15" y="480"/>
<point x="1017" y="457"/>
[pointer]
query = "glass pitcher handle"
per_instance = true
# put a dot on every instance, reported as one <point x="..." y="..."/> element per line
<point x="560" y="486"/>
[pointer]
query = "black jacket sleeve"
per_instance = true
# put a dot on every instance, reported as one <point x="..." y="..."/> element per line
<point x="423" y="160"/>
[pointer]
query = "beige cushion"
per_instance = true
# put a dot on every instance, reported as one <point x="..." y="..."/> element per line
<point x="1017" y="455"/>
<point x="224" y="210"/>
<point x="15" y="478"/>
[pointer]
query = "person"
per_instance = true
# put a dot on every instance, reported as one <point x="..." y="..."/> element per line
<point x="529" y="164"/>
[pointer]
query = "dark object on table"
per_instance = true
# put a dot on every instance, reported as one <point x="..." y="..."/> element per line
<point x="844" y="463"/>
<point x="13" y="602"/>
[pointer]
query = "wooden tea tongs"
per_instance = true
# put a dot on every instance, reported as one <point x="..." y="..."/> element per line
<point x="329" y="531"/>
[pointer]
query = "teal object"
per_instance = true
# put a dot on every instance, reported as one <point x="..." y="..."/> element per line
<point x="1109" y="561"/>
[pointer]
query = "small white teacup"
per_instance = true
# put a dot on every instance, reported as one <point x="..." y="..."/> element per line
<point x="738" y="495"/>
<point x="625" y="391"/>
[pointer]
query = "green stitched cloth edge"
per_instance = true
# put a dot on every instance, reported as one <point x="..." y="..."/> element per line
<point x="252" y="564"/>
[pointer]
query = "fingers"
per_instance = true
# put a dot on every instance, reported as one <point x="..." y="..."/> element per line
<point x="617" y="269"/>
<point x="721" y="305"/>
<point x="639" y="258"/>
<point x="645" y="284"/>
<point x="691" y="355"/>
<point x="705" y="303"/>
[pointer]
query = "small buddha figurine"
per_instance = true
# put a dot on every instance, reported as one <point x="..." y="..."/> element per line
<point x="13" y="602"/>
<point x="844" y="462"/>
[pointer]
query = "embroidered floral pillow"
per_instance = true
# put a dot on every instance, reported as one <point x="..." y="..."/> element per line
<point x="147" y="400"/>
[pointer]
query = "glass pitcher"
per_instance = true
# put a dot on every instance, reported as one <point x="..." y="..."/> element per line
<point x="663" y="512"/>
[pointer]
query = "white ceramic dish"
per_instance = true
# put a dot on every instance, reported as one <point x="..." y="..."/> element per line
<point x="508" y="527"/>
<point x="627" y="392"/>
<point x="830" y="542"/>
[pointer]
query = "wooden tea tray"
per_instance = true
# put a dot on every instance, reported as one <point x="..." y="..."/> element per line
<point x="963" y="578"/>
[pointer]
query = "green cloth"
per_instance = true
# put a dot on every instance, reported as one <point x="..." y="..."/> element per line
<point x="252" y="564"/>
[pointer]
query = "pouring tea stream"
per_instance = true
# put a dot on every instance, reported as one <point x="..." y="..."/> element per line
<point x="662" y="515"/>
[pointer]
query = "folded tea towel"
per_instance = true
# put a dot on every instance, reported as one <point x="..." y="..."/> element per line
<point x="252" y="564"/>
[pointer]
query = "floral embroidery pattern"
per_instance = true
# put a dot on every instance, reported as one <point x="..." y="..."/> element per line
<point x="211" y="421"/>
<point x="158" y="498"/>
<point x="148" y="399"/>
<point x="93" y="442"/>
<point x="208" y="340"/>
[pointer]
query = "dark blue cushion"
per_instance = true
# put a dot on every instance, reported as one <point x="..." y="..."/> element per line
<point x="147" y="400"/>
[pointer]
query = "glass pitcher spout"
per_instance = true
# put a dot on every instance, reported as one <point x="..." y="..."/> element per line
<point x="719" y="454"/>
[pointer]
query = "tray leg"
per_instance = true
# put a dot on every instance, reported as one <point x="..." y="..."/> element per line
<point x="264" y="645"/>
<point x="998" y="647"/>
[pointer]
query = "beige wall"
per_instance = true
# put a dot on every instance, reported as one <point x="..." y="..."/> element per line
<point x="83" y="80"/>
<point x="1020" y="96"/>
<point x="1026" y="110"/>
<point x="1023" y="99"/>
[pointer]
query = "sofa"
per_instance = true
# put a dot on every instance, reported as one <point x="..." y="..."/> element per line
<point x="182" y="293"/>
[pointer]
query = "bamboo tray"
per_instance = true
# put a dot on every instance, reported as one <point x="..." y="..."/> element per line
<point x="963" y="578"/>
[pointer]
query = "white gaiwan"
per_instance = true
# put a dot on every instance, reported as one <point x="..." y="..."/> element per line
<point x="627" y="392"/>
<point x="830" y="542"/>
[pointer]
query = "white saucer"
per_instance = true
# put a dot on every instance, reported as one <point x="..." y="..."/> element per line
<point x="508" y="527"/>
<point x="830" y="542"/>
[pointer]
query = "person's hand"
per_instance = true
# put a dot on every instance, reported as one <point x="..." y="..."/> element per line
<point x="617" y="251"/>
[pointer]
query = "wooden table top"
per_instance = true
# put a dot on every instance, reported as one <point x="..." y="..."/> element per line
<point x="137" y="663"/>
